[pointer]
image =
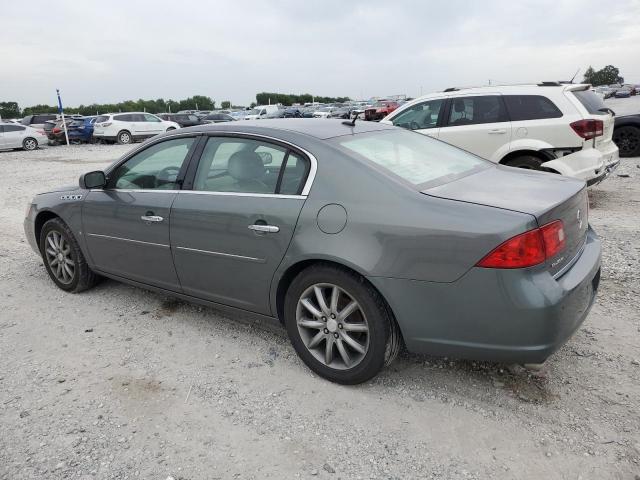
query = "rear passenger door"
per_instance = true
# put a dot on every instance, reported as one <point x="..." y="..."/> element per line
<point x="535" y="117"/>
<point x="478" y="124"/>
<point x="233" y="221"/>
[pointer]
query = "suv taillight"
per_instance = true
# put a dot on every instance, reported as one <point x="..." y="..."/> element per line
<point x="527" y="249"/>
<point x="588" y="128"/>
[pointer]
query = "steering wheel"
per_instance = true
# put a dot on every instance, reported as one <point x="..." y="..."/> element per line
<point x="167" y="175"/>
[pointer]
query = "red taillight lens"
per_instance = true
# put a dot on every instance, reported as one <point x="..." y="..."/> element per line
<point x="527" y="249"/>
<point x="553" y="236"/>
<point x="589" y="128"/>
<point x="56" y="130"/>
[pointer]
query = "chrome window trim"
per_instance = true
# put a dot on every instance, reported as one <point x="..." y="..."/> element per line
<point x="201" y="192"/>
<point x="221" y="254"/>
<point x="128" y="240"/>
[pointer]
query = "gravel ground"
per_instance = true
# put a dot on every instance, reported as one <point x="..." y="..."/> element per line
<point x="118" y="382"/>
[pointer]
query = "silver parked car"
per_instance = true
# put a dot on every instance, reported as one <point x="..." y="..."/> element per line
<point x="13" y="135"/>
<point x="359" y="238"/>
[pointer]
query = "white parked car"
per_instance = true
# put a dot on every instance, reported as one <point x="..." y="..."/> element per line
<point x="561" y="128"/>
<point x="324" y="112"/>
<point x="128" y="127"/>
<point x="13" y="135"/>
<point x="261" y="111"/>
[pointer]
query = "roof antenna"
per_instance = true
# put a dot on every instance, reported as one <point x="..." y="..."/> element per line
<point x="574" y="76"/>
<point x="351" y="123"/>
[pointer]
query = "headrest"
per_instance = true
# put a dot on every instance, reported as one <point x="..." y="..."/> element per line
<point x="246" y="165"/>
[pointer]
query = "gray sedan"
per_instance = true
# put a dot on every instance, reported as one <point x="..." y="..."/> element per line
<point x="360" y="238"/>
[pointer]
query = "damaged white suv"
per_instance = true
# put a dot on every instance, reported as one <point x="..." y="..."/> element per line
<point x="561" y="128"/>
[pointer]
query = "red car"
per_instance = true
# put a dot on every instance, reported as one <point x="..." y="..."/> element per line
<point x="380" y="110"/>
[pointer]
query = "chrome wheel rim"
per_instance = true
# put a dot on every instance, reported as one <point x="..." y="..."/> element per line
<point x="59" y="259"/>
<point x="125" y="138"/>
<point x="332" y="326"/>
<point x="30" y="144"/>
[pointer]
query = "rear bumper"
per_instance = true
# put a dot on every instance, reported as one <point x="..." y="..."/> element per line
<point x="515" y="316"/>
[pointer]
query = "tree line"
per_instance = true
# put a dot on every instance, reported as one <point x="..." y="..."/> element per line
<point x="605" y="76"/>
<point x="197" y="102"/>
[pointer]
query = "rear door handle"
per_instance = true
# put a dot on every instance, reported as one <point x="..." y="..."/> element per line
<point x="264" y="228"/>
<point x="497" y="131"/>
<point x="152" y="218"/>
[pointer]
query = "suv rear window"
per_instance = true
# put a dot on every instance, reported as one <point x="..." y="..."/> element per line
<point x="592" y="102"/>
<point x="415" y="158"/>
<point x="530" y="107"/>
<point x="42" y="118"/>
<point x="102" y="118"/>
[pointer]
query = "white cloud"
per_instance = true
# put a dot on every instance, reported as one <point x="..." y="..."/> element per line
<point x="117" y="50"/>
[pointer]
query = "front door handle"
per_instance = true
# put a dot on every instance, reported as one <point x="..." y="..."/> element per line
<point x="152" y="218"/>
<point x="264" y="228"/>
<point x="497" y="131"/>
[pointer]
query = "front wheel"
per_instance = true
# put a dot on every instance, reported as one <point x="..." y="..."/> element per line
<point x="339" y="325"/>
<point x="124" y="137"/>
<point x="30" y="144"/>
<point x="628" y="141"/>
<point x="63" y="258"/>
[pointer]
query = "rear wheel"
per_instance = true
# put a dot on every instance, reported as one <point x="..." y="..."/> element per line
<point x="30" y="144"/>
<point x="525" y="161"/>
<point x="63" y="258"/>
<point x="628" y="140"/>
<point x="339" y="325"/>
<point x="124" y="137"/>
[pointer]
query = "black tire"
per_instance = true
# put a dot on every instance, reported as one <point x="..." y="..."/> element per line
<point x="29" y="144"/>
<point x="124" y="137"/>
<point x="83" y="277"/>
<point x="528" y="162"/>
<point x="627" y="139"/>
<point x="384" y="340"/>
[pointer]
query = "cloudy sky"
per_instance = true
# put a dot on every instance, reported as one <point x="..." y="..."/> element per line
<point x="113" y="50"/>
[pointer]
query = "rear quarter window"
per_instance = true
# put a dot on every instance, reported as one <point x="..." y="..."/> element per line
<point x="122" y="118"/>
<point x="530" y="107"/>
<point x="591" y="102"/>
<point x="101" y="118"/>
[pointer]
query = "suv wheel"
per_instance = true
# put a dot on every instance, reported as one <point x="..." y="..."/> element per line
<point x="339" y="325"/>
<point x="628" y="141"/>
<point x="124" y="137"/>
<point x="525" y="161"/>
<point x="30" y="144"/>
<point x="63" y="258"/>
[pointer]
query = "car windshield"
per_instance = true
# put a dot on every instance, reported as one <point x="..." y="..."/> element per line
<point x="415" y="158"/>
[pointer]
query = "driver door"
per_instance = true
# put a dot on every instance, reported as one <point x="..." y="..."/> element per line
<point x="126" y="224"/>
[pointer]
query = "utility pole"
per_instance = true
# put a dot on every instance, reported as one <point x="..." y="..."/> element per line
<point x="64" y="124"/>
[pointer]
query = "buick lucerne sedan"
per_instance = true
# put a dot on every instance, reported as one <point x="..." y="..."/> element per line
<point x="362" y="239"/>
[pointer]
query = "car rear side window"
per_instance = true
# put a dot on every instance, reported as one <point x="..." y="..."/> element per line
<point x="413" y="157"/>
<point x="123" y="118"/>
<point x="476" y="109"/>
<point x="591" y="102"/>
<point x="102" y="118"/>
<point x="530" y="107"/>
<point x="13" y="128"/>
<point x="232" y="164"/>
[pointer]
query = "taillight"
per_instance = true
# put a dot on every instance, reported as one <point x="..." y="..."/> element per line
<point x="106" y="124"/>
<point x="588" y="128"/>
<point x="55" y="130"/>
<point x="527" y="249"/>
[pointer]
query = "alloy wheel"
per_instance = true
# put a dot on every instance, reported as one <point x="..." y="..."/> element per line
<point x="627" y="140"/>
<point x="333" y="326"/>
<point x="59" y="259"/>
<point x="30" y="144"/>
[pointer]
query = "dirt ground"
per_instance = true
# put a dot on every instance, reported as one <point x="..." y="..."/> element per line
<point x="118" y="382"/>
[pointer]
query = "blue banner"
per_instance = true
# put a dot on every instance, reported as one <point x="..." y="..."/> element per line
<point x="59" y="102"/>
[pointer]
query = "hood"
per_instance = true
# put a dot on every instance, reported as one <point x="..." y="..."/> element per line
<point x="510" y="188"/>
<point x="67" y="188"/>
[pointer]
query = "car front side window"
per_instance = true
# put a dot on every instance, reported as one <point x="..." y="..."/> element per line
<point x="151" y="118"/>
<point x="420" y="116"/>
<point x="155" y="168"/>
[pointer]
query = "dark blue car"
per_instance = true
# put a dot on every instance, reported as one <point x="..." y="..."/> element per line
<point x="81" y="129"/>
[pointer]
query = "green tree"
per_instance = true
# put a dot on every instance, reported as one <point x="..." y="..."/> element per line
<point x="226" y="105"/>
<point x="9" y="110"/>
<point x="604" y="76"/>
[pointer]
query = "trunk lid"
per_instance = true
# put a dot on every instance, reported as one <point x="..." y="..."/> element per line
<point x="546" y="196"/>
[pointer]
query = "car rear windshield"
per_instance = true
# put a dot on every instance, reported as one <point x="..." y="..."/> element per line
<point x="413" y="157"/>
<point x="102" y="118"/>
<point x="592" y="102"/>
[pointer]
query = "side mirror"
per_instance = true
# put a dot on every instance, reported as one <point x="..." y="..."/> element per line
<point x="91" y="180"/>
<point x="266" y="157"/>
